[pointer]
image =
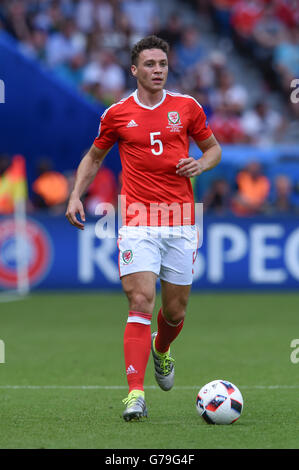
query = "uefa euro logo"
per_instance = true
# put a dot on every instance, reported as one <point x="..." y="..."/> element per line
<point x="2" y="92"/>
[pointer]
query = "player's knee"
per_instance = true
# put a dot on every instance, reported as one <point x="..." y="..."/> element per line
<point x="174" y="313"/>
<point x="141" y="302"/>
<point x="175" y="309"/>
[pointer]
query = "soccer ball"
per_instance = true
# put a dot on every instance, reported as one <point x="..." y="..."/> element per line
<point x="219" y="402"/>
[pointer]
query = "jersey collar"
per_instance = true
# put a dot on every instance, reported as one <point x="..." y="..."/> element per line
<point x="135" y="96"/>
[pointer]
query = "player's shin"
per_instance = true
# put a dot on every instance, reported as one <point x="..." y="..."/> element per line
<point x="137" y="347"/>
<point x="167" y="332"/>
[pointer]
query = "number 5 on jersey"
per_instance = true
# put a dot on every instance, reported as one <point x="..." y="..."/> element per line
<point x="155" y="141"/>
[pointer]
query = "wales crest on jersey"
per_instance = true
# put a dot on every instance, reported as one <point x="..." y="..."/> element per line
<point x="174" y="117"/>
<point x="174" y="121"/>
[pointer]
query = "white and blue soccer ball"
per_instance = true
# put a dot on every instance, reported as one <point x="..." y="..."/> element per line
<point x="219" y="402"/>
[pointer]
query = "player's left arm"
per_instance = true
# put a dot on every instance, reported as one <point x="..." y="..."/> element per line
<point x="211" y="156"/>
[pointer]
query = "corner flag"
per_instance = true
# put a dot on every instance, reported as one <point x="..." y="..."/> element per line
<point x="13" y="185"/>
<point x="13" y="196"/>
<point x="17" y="175"/>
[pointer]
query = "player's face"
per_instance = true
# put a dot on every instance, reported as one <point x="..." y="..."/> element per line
<point x="151" y="69"/>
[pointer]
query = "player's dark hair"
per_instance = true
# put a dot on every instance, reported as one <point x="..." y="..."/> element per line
<point x="149" y="42"/>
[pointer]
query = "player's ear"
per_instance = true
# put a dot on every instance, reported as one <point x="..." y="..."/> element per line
<point x="134" y="70"/>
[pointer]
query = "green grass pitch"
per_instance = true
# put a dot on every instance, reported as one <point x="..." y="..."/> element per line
<point x="63" y="379"/>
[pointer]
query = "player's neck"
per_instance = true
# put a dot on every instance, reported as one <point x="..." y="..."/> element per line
<point x="149" y="98"/>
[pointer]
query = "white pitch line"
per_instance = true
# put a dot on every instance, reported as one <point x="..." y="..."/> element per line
<point x="123" y="387"/>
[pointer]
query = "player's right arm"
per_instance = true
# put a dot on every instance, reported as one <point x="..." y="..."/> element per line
<point x="86" y="173"/>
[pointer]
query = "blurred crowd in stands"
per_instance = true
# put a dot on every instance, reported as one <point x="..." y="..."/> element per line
<point x="86" y="43"/>
<point x="249" y="192"/>
<point x="267" y="32"/>
<point x="253" y="193"/>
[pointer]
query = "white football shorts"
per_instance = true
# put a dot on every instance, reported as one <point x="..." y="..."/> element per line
<point x="169" y="252"/>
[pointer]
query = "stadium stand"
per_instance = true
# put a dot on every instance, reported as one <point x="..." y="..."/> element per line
<point x="237" y="58"/>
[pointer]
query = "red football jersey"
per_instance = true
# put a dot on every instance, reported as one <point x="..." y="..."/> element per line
<point x="151" y="142"/>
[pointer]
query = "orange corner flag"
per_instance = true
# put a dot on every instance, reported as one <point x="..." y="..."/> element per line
<point x="13" y="185"/>
<point x="17" y="174"/>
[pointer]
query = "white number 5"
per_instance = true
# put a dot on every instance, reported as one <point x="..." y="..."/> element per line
<point x="156" y="141"/>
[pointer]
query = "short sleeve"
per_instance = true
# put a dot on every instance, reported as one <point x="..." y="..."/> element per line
<point x="199" y="128"/>
<point x="107" y="135"/>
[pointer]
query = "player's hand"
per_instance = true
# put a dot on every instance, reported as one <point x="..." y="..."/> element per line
<point x="75" y="207"/>
<point x="189" y="167"/>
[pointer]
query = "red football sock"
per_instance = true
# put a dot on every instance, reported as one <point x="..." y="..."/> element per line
<point x="137" y="347"/>
<point x="167" y="332"/>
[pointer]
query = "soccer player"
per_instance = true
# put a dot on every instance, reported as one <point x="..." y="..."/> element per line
<point x="152" y="127"/>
